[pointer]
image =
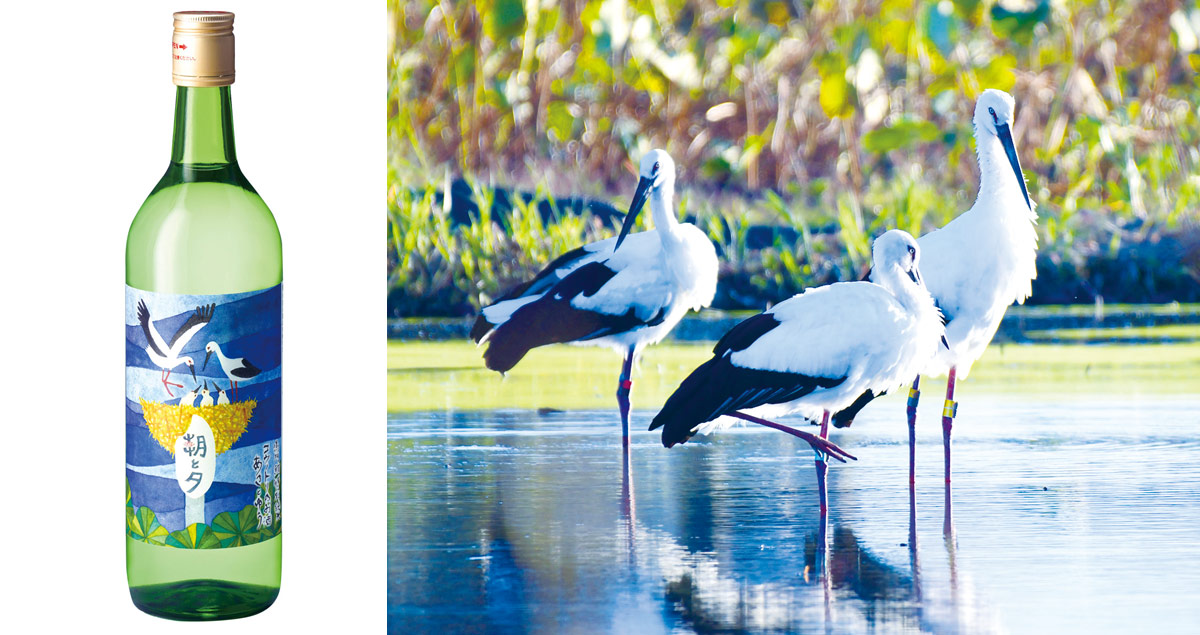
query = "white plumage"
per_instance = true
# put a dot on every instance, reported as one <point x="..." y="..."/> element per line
<point x="237" y="369"/>
<point x="984" y="260"/>
<point x="817" y="351"/>
<point x="624" y="292"/>
<point x="206" y="398"/>
<point x="650" y="280"/>
<point x="657" y="275"/>
<point x="978" y="265"/>
<point x="189" y="398"/>
<point x="168" y="355"/>
<point x="873" y="336"/>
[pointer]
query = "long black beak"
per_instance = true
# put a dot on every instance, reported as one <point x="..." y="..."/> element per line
<point x="635" y="208"/>
<point x="914" y="275"/>
<point x="206" y="356"/>
<point x="192" y="367"/>
<point x="1005" y="135"/>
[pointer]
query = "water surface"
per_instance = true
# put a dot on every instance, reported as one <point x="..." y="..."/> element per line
<point x="1074" y="516"/>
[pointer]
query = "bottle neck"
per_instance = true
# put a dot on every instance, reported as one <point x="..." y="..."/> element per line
<point x="202" y="149"/>
<point x="203" y="128"/>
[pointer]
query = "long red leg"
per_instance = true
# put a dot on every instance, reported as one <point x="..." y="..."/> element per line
<point x="624" y="385"/>
<point x="822" y="467"/>
<point x="914" y="395"/>
<point x="949" y="410"/>
<point x="817" y="443"/>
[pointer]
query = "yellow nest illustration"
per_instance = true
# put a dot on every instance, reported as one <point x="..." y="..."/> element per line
<point x="167" y="422"/>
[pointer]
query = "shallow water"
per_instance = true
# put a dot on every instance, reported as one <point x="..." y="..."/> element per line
<point x="1078" y="516"/>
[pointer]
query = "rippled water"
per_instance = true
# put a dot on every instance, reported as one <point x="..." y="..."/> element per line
<point x="1076" y="516"/>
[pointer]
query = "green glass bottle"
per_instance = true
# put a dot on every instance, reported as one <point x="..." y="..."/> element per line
<point x="203" y="269"/>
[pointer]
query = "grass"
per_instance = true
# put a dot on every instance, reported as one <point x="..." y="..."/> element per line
<point x="424" y="376"/>
<point x="1174" y="332"/>
<point x="1089" y="310"/>
<point x="831" y="121"/>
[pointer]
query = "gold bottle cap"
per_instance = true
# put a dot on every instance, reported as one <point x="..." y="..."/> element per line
<point x="202" y="48"/>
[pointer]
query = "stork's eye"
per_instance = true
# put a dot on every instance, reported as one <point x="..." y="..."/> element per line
<point x="654" y="170"/>
<point x="912" y="251"/>
<point x="995" y="119"/>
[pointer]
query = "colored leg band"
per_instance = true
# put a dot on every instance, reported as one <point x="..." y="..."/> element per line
<point x="950" y="410"/>
<point x="914" y="395"/>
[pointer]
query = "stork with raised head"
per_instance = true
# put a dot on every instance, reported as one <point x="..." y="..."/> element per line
<point x="624" y="292"/>
<point x="206" y="398"/>
<point x="166" y="355"/>
<point x="977" y="265"/>
<point x="815" y="353"/>
<point x="189" y="397"/>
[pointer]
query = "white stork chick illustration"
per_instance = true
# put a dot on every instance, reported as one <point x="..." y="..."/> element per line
<point x="205" y="396"/>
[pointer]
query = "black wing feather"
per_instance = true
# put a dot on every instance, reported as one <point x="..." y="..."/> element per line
<point x="745" y="333"/>
<point x="246" y="371"/>
<point x="535" y="285"/>
<point x="202" y="315"/>
<point x="144" y="319"/>
<point x="719" y="387"/>
<point x="552" y="319"/>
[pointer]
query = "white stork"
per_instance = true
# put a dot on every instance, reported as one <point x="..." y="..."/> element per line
<point x="624" y="292"/>
<point x="815" y="353"/>
<point x="166" y="355"/>
<point x="235" y="368"/>
<point x="977" y="265"/>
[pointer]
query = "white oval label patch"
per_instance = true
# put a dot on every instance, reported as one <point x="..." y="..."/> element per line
<point x="195" y="458"/>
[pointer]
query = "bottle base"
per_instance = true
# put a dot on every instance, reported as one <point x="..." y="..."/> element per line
<point x="203" y="600"/>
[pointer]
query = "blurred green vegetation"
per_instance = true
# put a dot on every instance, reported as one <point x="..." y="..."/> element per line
<point x="832" y="120"/>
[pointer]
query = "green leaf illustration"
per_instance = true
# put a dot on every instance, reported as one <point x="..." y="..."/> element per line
<point x="143" y="525"/>
<point x="197" y="536"/>
<point x="235" y="530"/>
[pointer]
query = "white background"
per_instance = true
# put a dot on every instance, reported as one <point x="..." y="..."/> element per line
<point x="86" y="107"/>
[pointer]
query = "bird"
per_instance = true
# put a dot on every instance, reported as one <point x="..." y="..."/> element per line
<point x="222" y="395"/>
<point x="205" y="396"/>
<point x="977" y="264"/>
<point x="189" y="398"/>
<point x="166" y="355"/>
<point x="814" y="353"/>
<point x="625" y="292"/>
<point x="235" y="368"/>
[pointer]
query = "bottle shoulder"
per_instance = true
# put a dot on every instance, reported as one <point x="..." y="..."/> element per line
<point x="203" y="236"/>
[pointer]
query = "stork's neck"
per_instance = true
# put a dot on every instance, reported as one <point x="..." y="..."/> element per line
<point x="662" y="209"/>
<point x="913" y="297"/>
<point x="998" y="185"/>
<point x="220" y="355"/>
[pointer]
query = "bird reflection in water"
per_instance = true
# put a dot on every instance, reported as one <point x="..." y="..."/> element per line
<point x="628" y="507"/>
<point x="844" y="571"/>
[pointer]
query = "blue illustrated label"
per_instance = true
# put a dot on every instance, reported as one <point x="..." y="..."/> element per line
<point x="202" y="418"/>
